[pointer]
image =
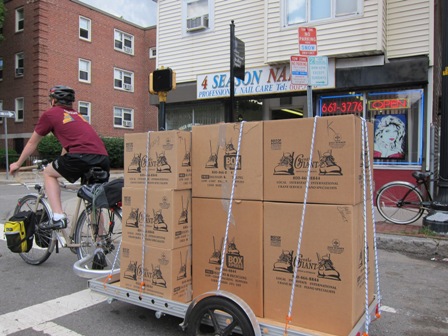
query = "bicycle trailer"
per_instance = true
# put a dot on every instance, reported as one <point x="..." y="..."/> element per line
<point x="255" y="260"/>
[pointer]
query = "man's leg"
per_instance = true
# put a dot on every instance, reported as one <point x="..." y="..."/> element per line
<point x="53" y="189"/>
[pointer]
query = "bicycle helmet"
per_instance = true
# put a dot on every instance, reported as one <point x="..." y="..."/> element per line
<point x="63" y="94"/>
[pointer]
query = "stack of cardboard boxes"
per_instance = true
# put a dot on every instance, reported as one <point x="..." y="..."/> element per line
<point x="156" y="239"/>
<point x="214" y="158"/>
<point x="330" y="284"/>
<point x="161" y="236"/>
<point x="266" y="216"/>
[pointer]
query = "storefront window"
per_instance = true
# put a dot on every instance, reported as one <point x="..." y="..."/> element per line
<point x="183" y="117"/>
<point x="398" y="126"/>
<point x="397" y="117"/>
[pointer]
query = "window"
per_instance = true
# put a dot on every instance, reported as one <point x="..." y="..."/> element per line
<point x="123" y="80"/>
<point x="123" y="117"/>
<point x="184" y="116"/>
<point x="84" y="109"/>
<point x="398" y="121"/>
<point x="198" y="15"/>
<point x="124" y="42"/>
<point x="303" y="11"/>
<point x="1" y="109"/>
<point x="19" y="108"/>
<point x="19" y="64"/>
<point x="84" y="28"/>
<point x="152" y="52"/>
<point x="84" y="70"/>
<point x="1" y="69"/>
<point x="19" y="19"/>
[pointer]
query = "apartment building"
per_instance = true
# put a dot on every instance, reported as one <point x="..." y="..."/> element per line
<point x="383" y="61"/>
<point x="106" y="59"/>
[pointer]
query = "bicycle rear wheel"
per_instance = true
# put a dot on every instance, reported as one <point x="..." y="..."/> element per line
<point x="105" y="233"/>
<point x="399" y="203"/>
<point x="43" y="242"/>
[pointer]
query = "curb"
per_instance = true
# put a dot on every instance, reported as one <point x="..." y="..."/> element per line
<point x="418" y="246"/>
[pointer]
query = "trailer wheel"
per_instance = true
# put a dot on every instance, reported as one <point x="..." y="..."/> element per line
<point x="208" y="310"/>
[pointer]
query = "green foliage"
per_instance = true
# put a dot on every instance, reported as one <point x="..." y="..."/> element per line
<point x="115" y="149"/>
<point x="49" y="147"/>
<point x="12" y="157"/>
<point x="2" y="17"/>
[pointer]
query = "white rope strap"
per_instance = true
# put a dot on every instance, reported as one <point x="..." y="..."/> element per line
<point x="142" y="280"/>
<point x="375" y="247"/>
<point x="299" y="243"/>
<point x="229" y="212"/>
<point x="366" y="250"/>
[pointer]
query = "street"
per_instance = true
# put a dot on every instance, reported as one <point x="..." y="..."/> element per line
<point x="49" y="299"/>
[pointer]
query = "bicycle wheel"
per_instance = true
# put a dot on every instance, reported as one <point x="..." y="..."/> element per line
<point x="105" y="233"/>
<point x="399" y="203"/>
<point x="43" y="242"/>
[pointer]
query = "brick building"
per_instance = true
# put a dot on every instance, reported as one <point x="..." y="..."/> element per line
<point x="106" y="60"/>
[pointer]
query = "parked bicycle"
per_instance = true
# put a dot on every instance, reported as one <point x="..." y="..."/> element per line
<point x="94" y="230"/>
<point x="402" y="202"/>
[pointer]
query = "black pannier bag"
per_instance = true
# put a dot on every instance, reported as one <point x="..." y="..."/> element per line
<point x="108" y="194"/>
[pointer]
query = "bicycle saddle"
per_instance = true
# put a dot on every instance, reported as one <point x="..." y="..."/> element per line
<point x="95" y="175"/>
<point x="421" y="176"/>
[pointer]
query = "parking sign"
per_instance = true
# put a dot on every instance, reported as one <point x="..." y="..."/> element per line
<point x="307" y="41"/>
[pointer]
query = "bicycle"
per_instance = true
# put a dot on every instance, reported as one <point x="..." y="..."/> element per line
<point x="402" y="202"/>
<point x="96" y="230"/>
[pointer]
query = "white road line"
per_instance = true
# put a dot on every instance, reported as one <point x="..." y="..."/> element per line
<point x="53" y="329"/>
<point x="388" y="309"/>
<point x="33" y="316"/>
<point x="2" y="233"/>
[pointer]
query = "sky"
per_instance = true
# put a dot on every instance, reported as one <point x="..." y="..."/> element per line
<point x="140" y="12"/>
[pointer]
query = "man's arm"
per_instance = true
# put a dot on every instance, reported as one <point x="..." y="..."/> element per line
<point x="29" y="149"/>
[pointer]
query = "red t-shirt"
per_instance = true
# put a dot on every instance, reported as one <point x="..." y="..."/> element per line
<point x="74" y="133"/>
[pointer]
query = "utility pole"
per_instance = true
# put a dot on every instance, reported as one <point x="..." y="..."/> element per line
<point x="437" y="219"/>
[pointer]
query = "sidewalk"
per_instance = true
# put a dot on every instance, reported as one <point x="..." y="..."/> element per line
<point x="392" y="237"/>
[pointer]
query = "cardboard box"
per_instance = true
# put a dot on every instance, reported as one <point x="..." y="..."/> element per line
<point x="168" y="217"/>
<point x="166" y="273"/>
<point x="243" y="258"/>
<point x="330" y="285"/>
<point x="336" y="168"/>
<point x="215" y="156"/>
<point x="168" y="154"/>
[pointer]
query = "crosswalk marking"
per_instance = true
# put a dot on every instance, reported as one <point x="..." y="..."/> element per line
<point x="33" y="316"/>
<point x="53" y="329"/>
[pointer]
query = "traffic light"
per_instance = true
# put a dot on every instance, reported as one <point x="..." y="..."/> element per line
<point x="162" y="80"/>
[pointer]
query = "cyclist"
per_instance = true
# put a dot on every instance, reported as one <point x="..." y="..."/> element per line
<point x="82" y="149"/>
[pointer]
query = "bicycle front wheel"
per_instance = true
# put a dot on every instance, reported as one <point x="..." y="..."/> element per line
<point x="43" y="239"/>
<point x="400" y="203"/>
<point x="102" y="230"/>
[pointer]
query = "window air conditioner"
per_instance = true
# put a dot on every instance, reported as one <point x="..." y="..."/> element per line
<point x="197" y="23"/>
<point x="127" y="50"/>
<point x="127" y="87"/>
<point x="127" y="123"/>
<point x="19" y="71"/>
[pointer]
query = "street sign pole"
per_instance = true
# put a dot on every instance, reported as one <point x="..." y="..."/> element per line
<point x="6" y="147"/>
<point x="5" y="115"/>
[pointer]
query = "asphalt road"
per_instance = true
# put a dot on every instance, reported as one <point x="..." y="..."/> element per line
<point x="49" y="299"/>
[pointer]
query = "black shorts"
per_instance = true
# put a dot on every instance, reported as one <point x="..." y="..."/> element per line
<point x="72" y="166"/>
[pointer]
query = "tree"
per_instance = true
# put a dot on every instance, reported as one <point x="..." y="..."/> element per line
<point x="2" y="18"/>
